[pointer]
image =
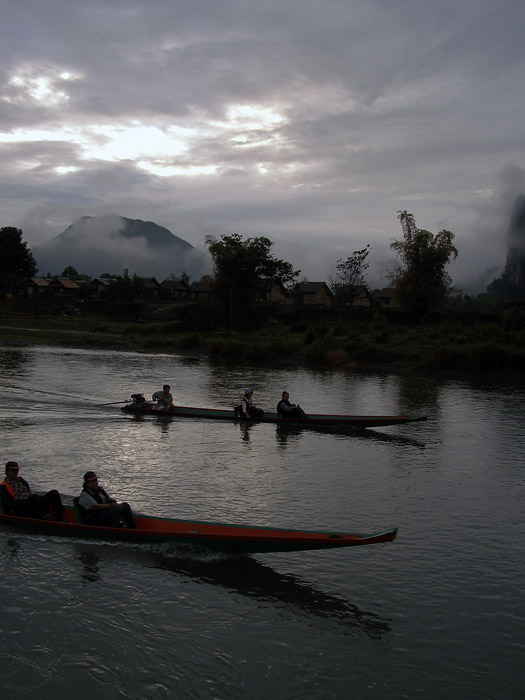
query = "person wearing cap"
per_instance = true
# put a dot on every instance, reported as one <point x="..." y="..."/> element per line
<point x="248" y="409"/>
<point x="97" y="508"/>
<point x="17" y="499"/>
<point x="163" y="398"/>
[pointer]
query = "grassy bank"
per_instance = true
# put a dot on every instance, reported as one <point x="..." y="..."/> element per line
<point x="454" y="347"/>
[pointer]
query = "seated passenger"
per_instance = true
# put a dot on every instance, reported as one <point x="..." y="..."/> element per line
<point x="17" y="499"/>
<point x="163" y="398"/>
<point x="97" y="508"/>
<point x="285" y="409"/>
<point x="248" y="409"/>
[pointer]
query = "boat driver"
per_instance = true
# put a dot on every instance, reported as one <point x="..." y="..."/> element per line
<point x="163" y="398"/>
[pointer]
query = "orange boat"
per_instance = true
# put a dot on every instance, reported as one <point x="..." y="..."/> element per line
<point x="235" y="539"/>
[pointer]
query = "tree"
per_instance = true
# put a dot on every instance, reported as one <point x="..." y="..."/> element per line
<point x="243" y="270"/>
<point x="125" y="289"/>
<point x="16" y="261"/>
<point x="349" y="275"/>
<point x="422" y="282"/>
<point x="70" y="273"/>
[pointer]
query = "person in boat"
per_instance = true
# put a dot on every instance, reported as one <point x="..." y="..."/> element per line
<point x="248" y="408"/>
<point x="17" y="499"/>
<point x="98" y="508"/>
<point x="163" y="398"/>
<point x="285" y="409"/>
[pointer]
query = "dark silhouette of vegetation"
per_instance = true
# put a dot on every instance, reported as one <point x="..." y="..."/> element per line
<point x="17" y="263"/>
<point x="434" y="331"/>
<point x="125" y="289"/>
<point x="349" y="276"/>
<point x="71" y="273"/>
<point x="243" y="271"/>
<point x="422" y="283"/>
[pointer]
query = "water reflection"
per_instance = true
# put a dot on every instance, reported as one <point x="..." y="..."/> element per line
<point x="11" y="550"/>
<point x="244" y="575"/>
<point x="13" y="363"/>
<point x="89" y="560"/>
<point x="287" y="435"/>
<point x="245" y="427"/>
<point x="251" y="578"/>
<point x="418" y="394"/>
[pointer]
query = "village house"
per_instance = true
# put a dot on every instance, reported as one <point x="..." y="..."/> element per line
<point x="150" y="287"/>
<point x="63" y="286"/>
<point x="361" y="297"/>
<point x="97" y="287"/>
<point x="275" y="295"/>
<point x="386" y="298"/>
<point x="314" y="294"/>
<point x="175" y="289"/>
<point x="36" y="285"/>
<point x="200" y="290"/>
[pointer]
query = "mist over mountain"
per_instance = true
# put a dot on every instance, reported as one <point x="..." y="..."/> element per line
<point x="97" y="244"/>
<point x="512" y="282"/>
<point x="515" y="265"/>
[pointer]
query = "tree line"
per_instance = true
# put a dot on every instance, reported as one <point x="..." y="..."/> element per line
<point x="243" y="270"/>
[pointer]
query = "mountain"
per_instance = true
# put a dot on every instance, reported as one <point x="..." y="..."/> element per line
<point x="512" y="283"/>
<point x="97" y="244"/>
<point x="515" y="265"/>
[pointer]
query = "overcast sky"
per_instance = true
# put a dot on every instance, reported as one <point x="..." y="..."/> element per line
<point x="311" y="122"/>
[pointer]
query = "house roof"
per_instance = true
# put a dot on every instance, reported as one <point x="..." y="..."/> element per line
<point x="307" y="287"/>
<point x="149" y="282"/>
<point x="66" y="283"/>
<point x="200" y="286"/>
<point x="174" y="284"/>
<point x="386" y="292"/>
<point x="104" y="281"/>
<point x="39" y="281"/>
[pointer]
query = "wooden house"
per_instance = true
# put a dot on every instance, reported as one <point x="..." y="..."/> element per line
<point x="150" y="287"/>
<point x="313" y="294"/>
<point x="64" y="286"/>
<point x="175" y="289"/>
<point x="200" y="290"/>
<point x="275" y="294"/>
<point x="36" y="285"/>
<point x="386" y="298"/>
<point x="362" y="297"/>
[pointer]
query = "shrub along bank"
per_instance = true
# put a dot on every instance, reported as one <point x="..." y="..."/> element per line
<point x="457" y="345"/>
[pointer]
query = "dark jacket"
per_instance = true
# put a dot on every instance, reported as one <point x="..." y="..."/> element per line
<point x="7" y="495"/>
<point x="98" y="496"/>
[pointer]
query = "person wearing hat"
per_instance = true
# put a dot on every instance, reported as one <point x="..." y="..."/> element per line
<point x="97" y="508"/>
<point x="248" y="409"/>
<point x="17" y="499"/>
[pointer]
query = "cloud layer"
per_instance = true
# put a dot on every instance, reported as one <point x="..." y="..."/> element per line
<point x="310" y="123"/>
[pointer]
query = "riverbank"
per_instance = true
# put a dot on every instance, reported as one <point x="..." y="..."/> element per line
<point x="444" y="347"/>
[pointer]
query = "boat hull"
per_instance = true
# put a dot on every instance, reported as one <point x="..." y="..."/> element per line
<point x="313" y="419"/>
<point x="232" y="539"/>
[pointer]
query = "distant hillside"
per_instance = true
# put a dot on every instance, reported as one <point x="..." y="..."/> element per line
<point x="512" y="283"/>
<point x="98" y="244"/>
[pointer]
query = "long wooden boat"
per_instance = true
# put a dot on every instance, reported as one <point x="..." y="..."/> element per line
<point x="315" y="419"/>
<point x="234" y="539"/>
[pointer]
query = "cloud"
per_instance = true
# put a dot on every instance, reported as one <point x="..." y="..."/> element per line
<point x="310" y="123"/>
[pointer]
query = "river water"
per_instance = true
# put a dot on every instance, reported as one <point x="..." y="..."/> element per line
<point x="439" y="613"/>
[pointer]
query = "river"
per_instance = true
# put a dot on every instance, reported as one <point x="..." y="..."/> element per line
<point x="439" y="613"/>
